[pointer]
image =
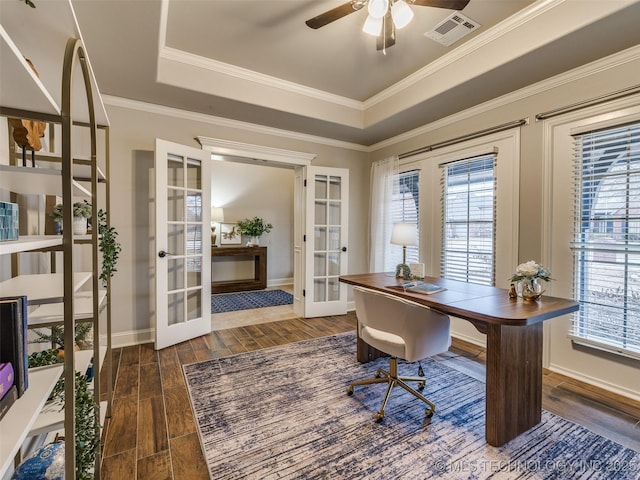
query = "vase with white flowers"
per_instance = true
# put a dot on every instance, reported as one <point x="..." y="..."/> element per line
<point x="527" y="278"/>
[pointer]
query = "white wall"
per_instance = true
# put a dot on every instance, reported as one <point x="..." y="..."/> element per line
<point x="134" y="127"/>
<point x="247" y="191"/>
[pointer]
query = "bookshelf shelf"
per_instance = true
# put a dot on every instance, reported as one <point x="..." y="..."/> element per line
<point x="29" y="243"/>
<point x="42" y="288"/>
<point x="52" y="414"/>
<point x="20" y="418"/>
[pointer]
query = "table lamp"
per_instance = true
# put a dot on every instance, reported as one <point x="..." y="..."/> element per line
<point x="405" y="234"/>
<point x="217" y="216"/>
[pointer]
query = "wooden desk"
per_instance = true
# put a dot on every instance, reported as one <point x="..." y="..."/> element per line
<point x="259" y="280"/>
<point x="514" y="344"/>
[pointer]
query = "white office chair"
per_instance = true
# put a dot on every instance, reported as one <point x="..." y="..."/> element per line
<point x="402" y="329"/>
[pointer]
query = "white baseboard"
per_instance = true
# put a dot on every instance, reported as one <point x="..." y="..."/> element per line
<point x="596" y="382"/>
<point x="468" y="339"/>
<point x="133" y="337"/>
<point x="277" y="282"/>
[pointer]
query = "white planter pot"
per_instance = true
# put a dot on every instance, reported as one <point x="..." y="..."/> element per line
<point x="79" y="225"/>
<point x="253" y="242"/>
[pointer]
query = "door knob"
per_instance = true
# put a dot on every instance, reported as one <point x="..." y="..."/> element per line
<point x="344" y="249"/>
<point x="163" y="254"/>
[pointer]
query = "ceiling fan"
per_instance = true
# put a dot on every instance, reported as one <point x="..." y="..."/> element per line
<point x="384" y="16"/>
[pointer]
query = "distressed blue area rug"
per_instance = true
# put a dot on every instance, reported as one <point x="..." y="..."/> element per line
<point x="283" y="413"/>
<point x="230" y="302"/>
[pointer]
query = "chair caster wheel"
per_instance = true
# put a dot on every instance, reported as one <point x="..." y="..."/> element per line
<point x="428" y="413"/>
<point x="421" y="386"/>
<point x="378" y="417"/>
<point x="349" y="391"/>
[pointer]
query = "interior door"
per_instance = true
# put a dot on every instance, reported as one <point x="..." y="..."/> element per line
<point x="326" y="252"/>
<point x="183" y="243"/>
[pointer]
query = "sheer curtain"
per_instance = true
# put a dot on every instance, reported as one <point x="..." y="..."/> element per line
<point x="384" y="179"/>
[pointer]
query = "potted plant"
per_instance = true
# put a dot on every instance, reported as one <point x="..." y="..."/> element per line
<point x="81" y="212"/>
<point x="253" y="228"/>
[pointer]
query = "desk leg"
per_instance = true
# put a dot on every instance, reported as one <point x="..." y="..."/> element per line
<point x="514" y="381"/>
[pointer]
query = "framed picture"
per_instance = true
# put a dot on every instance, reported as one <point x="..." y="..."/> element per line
<point x="229" y="234"/>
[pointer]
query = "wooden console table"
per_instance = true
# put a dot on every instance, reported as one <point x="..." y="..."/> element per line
<point x="259" y="280"/>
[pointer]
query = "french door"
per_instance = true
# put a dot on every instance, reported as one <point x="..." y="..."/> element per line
<point x="326" y="232"/>
<point x="183" y="243"/>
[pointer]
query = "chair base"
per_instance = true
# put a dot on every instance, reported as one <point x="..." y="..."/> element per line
<point x="394" y="380"/>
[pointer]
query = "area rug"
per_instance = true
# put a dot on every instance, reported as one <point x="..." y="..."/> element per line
<point x="231" y="302"/>
<point x="283" y="413"/>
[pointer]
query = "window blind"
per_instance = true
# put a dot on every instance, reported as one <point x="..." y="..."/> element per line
<point x="468" y="220"/>
<point x="606" y="240"/>
<point x="404" y="208"/>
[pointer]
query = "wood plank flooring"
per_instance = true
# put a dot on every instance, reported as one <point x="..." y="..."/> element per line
<point x="152" y="433"/>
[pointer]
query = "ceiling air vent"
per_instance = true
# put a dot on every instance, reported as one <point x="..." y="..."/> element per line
<point x="452" y="29"/>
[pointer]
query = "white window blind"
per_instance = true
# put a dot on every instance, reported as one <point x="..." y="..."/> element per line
<point x="606" y="241"/>
<point x="468" y="219"/>
<point x="404" y="208"/>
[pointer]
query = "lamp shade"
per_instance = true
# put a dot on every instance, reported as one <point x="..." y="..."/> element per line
<point x="401" y="13"/>
<point x="378" y="8"/>
<point x="372" y="26"/>
<point x="217" y="214"/>
<point x="405" y="234"/>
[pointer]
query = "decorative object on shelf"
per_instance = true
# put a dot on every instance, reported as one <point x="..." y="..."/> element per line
<point x="405" y="234"/>
<point x="81" y="212"/>
<point x="27" y="133"/>
<point x="229" y="234"/>
<point x="87" y="416"/>
<point x="108" y="246"/>
<point x="527" y="277"/>
<point x="46" y="463"/>
<point x="253" y="228"/>
<point x="9" y="221"/>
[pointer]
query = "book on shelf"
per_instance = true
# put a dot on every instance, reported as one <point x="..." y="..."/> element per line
<point x="8" y="400"/>
<point x="6" y="378"/>
<point x="13" y="339"/>
<point x="420" y="287"/>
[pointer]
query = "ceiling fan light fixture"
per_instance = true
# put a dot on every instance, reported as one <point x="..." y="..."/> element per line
<point x="378" y="8"/>
<point x="372" y="26"/>
<point x="401" y="14"/>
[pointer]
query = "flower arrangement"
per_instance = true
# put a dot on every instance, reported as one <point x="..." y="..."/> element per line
<point x="530" y="270"/>
<point x="253" y="227"/>
<point x="80" y="209"/>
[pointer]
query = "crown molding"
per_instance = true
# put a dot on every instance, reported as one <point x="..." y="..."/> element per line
<point x="234" y="71"/>
<point x="598" y="66"/>
<point x="459" y="53"/>
<point x="227" y="123"/>
<point x="257" y="152"/>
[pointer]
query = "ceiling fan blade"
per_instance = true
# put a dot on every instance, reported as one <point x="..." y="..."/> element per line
<point x="451" y="4"/>
<point x="334" y="14"/>
<point x="388" y="36"/>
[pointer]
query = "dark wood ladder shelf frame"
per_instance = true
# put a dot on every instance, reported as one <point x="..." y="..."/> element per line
<point x="258" y="282"/>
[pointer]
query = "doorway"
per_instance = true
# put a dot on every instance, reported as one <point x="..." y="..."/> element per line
<point x="243" y="190"/>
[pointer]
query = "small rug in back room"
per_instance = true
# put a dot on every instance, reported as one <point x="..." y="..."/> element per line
<point x="231" y="302"/>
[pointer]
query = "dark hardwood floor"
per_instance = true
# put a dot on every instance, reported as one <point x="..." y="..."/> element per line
<point x="152" y="434"/>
